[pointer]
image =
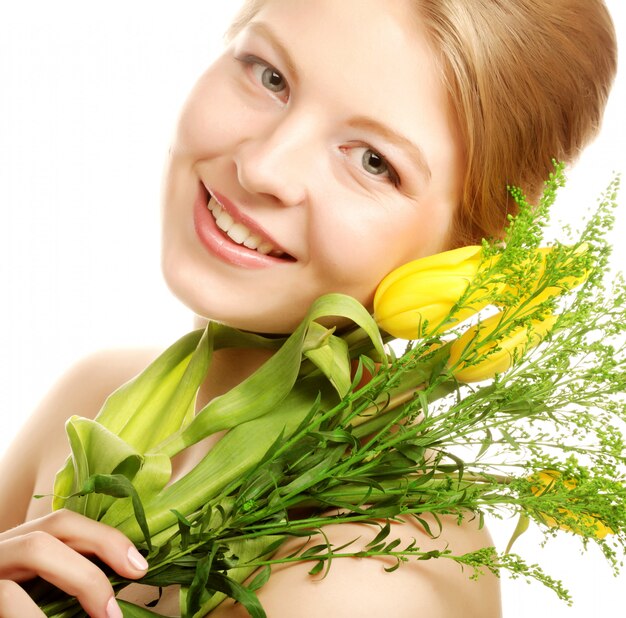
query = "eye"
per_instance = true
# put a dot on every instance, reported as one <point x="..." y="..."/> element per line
<point x="270" y="78"/>
<point x="266" y="75"/>
<point x="373" y="163"/>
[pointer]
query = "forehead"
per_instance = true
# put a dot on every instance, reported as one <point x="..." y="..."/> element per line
<point x="381" y="40"/>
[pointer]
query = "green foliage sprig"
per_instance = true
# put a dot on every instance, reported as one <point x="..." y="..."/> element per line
<point x="335" y="429"/>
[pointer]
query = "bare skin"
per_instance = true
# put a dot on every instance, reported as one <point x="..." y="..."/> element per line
<point x="439" y="588"/>
<point x="319" y="156"/>
<point x="53" y="546"/>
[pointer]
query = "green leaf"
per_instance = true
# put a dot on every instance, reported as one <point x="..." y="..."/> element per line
<point x="136" y="411"/>
<point x="227" y="462"/>
<point x="228" y="337"/>
<point x="375" y="549"/>
<point x="523" y="522"/>
<point x="198" y="585"/>
<point x="260" y="579"/>
<point x="152" y="477"/>
<point x="427" y="527"/>
<point x="336" y="436"/>
<point x="434" y="553"/>
<point x="250" y="550"/>
<point x="64" y="486"/>
<point x="160" y="399"/>
<point x="358" y="375"/>
<point x="315" y="550"/>
<point x="381" y="536"/>
<point x="310" y="477"/>
<point x="184" y="527"/>
<point x="317" y="568"/>
<point x="130" y="610"/>
<point x="391" y="546"/>
<point x="413" y="452"/>
<point x="393" y="568"/>
<point x="261" y="392"/>
<point x="95" y="450"/>
<point x="333" y="359"/>
<point x="486" y="443"/>
<point x="422" y="479"/>
<point x="171" y="403"/>
<point x="118" y="486"/>
<point x="457" y="466"/>
<point x="241" y="594"/>
<point x="368" y="364"/>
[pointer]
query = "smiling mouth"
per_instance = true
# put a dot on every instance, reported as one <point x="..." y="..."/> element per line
<point x="240" y="234"/>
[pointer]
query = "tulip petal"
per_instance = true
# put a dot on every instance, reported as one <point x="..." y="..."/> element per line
<point x="478" y="339"/>
<point x="427" y="290"/>
<point x="446" y="259"/>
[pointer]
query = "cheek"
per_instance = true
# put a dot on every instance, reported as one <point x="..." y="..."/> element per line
<point x="352" y="254"/>
<point x="427" y="229"/>
<point x="361" y="250"/>
<point x="205" y="125"/>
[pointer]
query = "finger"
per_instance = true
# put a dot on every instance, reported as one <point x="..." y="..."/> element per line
<point x="41" y="554"/>
<point x="90" y="537"/>
<point x="15" y="602"/>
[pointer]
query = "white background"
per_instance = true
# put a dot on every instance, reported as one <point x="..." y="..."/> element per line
<point x="89" y="94"/>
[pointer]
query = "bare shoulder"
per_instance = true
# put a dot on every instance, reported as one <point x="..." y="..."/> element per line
<point x="435" y="588"/>
<point x="30" y="463"/>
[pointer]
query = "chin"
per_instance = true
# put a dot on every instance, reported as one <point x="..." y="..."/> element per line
<point x="228" y="309"/>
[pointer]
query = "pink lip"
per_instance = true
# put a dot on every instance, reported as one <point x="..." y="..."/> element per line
<point x="219" y="244"/>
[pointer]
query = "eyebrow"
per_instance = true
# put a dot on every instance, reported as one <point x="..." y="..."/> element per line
<point x="261" y="28"/>
<point x="415" y="153"/>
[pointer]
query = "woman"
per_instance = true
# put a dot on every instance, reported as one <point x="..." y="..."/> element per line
<point x="300" y="168"/>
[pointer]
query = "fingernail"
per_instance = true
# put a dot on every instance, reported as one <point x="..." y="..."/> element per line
<point x="136" y="559"/>
<point x="113" y="609"/>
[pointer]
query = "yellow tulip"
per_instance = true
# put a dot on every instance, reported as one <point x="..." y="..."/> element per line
<point x="499" y="352"/>
<point x="543" y="482"/>
<point x="426" y="290"/>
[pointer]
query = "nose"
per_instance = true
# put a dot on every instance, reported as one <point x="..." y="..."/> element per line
<point x="279" y="160"/>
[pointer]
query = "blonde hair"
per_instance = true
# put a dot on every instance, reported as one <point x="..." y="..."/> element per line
<point x="528" y="81"/>
<point x="249" y="9"/>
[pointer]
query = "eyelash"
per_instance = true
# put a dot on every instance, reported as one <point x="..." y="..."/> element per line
<point x="253" y="62"/>
<point x="389" y="175"/>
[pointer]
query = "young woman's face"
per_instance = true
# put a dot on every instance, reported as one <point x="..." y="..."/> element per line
<point x="315" y="155"/>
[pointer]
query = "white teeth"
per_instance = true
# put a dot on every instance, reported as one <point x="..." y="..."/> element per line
<point x="252" y="242"/>
<point x="224" y="220"/>
<point x="264" y="248"/>
<point x="238" y="232"/>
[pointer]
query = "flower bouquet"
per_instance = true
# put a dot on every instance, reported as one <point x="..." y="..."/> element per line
<point x="507" y="397"/>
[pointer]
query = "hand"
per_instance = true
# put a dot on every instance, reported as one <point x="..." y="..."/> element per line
<point x="54" y="548"/>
